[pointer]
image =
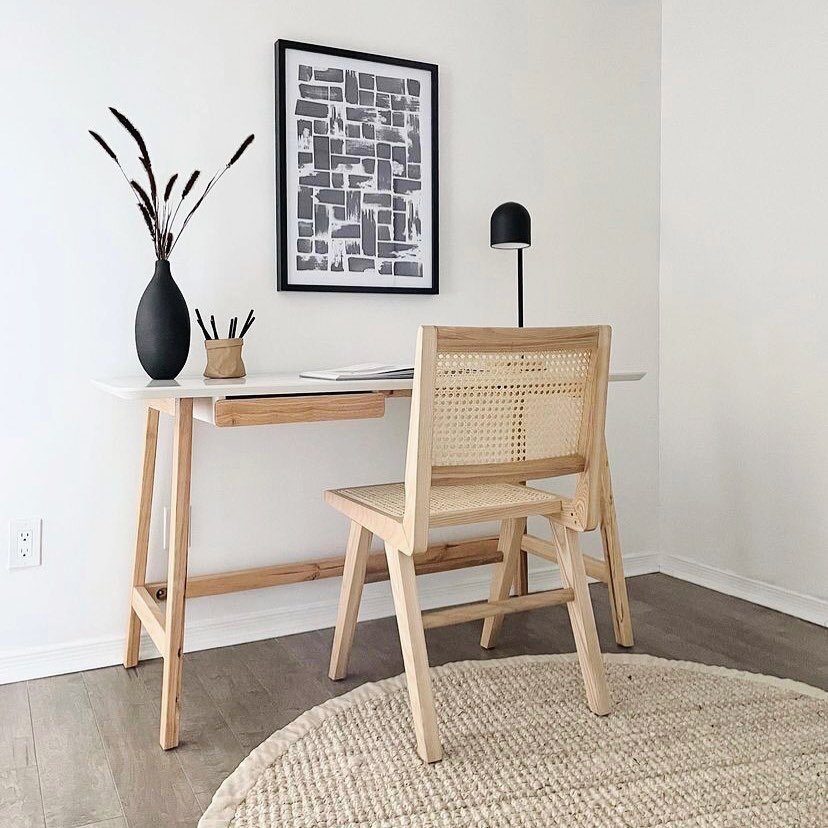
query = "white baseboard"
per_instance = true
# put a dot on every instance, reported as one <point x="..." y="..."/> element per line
<point x="235" y="629"/>
<point x="806" y="607"/>
<point x="282" y="620"/>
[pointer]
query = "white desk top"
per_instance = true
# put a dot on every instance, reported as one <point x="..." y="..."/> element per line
<point x="261" y="385"/>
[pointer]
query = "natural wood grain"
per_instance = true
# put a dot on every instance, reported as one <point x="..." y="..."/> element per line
<point x="254" y="411"/>
<point x="418" y="451"/>
<point x="389" y="529"/>
<point x="151" y="615"/>
<point x="415" y="656"/>
<point x="151" y="784"/>
<point x="619" y="602"/>
<point x="164" y="406"/>
<point x="503" y="575"/>
<point x="587" y="501"/>
<point x="139" y="568"/>
<point x="508" y="472"/>
<point x="508" y="340"/>
<point x="521" y="584"/>
<point x="442" y="557"/>
<point x="177" y="573"/>
<point x="356" y="561"/>
<point x="75" y="780"/>
<point x="546" y="549"/>
<point x="439" y="557"/>
<point x="16" y="739"/>
<point x="582" y="619"/>
<point x="497" y="608"/>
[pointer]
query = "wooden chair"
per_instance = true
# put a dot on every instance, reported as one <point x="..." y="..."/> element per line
<point x="491" y="408"/>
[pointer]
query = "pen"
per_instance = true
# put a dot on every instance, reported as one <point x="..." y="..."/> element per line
<point x="247" y="325"/>
<point x="201" y="324"/>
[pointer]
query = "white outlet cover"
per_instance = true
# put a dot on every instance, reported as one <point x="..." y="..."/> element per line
<point x="24" y="543"/>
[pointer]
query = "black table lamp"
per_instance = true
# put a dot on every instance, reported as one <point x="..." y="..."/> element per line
<point x="511" y="229"/>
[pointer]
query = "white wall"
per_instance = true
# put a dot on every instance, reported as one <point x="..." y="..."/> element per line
<point x="744" y="302"/>
<point x="555" y="104"/>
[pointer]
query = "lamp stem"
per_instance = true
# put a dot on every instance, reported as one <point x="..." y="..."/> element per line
<point x="520" y="287"/>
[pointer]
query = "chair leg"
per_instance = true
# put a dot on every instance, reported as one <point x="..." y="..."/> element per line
<point x="619" y="602"/>
<point x="415" y="656"/>
<point x="511" y="534"/>
<point x="353" y="578"/>
<point x="521" y="586"/>
<point x="573" y="575"/>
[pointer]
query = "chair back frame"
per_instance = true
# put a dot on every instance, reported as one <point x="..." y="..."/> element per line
<point x="582" y="511"/>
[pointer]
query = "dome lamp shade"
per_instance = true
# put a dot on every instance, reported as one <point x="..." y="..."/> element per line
<point x="511" y="229"/>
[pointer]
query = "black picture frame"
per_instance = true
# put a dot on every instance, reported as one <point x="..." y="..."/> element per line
<point x="283" y="118"/>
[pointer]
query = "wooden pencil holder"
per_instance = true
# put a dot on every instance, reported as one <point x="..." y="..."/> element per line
<point x="224" y="359"/>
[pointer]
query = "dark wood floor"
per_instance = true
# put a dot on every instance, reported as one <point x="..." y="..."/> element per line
<point x="82" y="749"/>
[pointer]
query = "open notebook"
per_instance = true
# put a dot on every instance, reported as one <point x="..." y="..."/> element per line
<point x="365" y="371"/>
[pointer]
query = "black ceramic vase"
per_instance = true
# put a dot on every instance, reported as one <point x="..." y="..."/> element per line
<point x="162" y="326"/>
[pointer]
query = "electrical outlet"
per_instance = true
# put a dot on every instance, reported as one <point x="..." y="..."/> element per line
<point x="24" y="546"/>
<point x="166" y="529"/>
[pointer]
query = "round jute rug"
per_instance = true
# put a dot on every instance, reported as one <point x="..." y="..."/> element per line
<point x="685" y="745"/>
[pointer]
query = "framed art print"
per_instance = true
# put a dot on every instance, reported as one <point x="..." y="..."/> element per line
<point x="356" y="171"/>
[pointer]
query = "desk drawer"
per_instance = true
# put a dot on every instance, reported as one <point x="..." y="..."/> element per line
<point x="299" y="409"/>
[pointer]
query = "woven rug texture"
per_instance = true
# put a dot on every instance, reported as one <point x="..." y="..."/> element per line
<point x="685" y="745"/>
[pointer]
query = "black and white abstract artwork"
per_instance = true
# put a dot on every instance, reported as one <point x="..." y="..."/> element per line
<point x="356" y="170"/>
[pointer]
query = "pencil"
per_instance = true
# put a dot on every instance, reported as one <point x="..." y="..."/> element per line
<point x="213" y="325"/>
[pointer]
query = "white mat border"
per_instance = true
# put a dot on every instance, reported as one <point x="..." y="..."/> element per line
<point x="232" y="792"/>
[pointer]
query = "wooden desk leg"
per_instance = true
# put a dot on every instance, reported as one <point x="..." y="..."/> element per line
<point x="619" y="603"/>
<point x="139" y="567"/>
<point x="177" y="573"/>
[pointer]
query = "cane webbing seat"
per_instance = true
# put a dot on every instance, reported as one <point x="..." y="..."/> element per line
<point x="450" y="503"/>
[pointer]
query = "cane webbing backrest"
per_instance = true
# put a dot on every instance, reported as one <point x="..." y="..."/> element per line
<point x="508" y="407"/>
<point x="506" y="404"/>
<point x="513" y="396"/>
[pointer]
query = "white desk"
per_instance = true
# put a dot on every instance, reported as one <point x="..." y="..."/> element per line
<point x="270" y="399"/>
<point x="260" y="385"/>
